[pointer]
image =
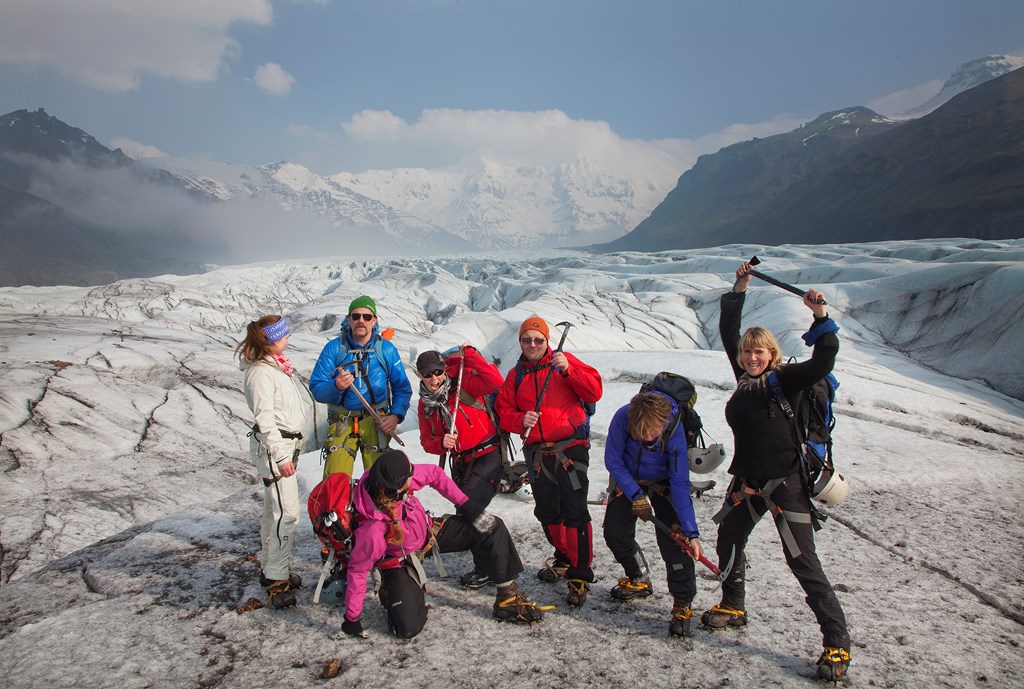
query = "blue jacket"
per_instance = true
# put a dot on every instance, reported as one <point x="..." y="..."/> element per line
<point x="628" y="461"/>
<point x="379" y="373"/>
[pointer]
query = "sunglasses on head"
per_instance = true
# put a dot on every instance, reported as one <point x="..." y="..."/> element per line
<point x="364" y="316"/>
<point x="434" y="373"/>
<point x="534" y="340"/>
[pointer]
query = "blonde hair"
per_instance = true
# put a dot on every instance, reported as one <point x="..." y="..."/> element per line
<point x="759" y="338"/>
<point x="255" y="346"/>
<point x="648" y="414"/>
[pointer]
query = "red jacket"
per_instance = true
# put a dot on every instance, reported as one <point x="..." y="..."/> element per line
<point x="561" y="411"/>
<point x="474" y="426"/>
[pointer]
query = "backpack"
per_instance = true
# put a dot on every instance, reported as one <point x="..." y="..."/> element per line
<point x="684" y="393"/>
<point x="813" y="423"/>
<point x="333" y="517"/>
<point x="513" y="475"/>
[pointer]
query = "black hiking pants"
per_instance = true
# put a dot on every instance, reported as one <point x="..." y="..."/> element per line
<point x="620" y="536"/>
<point x="479" y="480"/>
<point x="561" y="508"/>
<point x="736" y="527"/>
<point x="402" y="594"/>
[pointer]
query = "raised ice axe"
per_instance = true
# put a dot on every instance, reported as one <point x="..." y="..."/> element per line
<point x="754" y="260"/>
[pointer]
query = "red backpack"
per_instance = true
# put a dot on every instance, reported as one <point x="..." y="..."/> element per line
<point x="331" y="512"/>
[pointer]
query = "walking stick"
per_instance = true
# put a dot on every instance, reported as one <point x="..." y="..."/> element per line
<point x="455" y="409"/>
<point x="778" y="283"/>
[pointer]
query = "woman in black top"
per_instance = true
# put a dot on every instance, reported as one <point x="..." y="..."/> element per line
<point x="766" y="469"/>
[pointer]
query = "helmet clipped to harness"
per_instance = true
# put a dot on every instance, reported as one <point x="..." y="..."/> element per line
<point x="830" y="488"/>
<point x="704" y="460"/>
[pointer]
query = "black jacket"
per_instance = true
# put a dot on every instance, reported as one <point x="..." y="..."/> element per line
<point x="763" y="436"/>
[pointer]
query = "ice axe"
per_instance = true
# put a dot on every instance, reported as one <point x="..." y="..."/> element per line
<point x="455" y="408"/>
<point x="678" y="538"/>
<point x="369" y="409"/>
<point x="754" y="260"/>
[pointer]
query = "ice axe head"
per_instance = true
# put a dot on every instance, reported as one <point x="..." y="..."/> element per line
<point x="754" y="261"/>
<point x="561" y="342"/>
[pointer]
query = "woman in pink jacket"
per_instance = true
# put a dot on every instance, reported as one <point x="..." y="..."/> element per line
<point x="393" y="531"/>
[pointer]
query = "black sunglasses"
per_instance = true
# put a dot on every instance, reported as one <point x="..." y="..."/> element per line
<point x="535" y="340"/>
<point x="435" y="372"/>
<point x="364" y="316"/>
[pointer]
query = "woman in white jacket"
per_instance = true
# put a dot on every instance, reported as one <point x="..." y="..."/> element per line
<point x="274" y="446"/>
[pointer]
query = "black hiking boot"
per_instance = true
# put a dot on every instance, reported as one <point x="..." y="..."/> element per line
<point x="553" y="571"/>
<point x="512" y="605"/>
<point x="721" y="616"/>
<point x="577" y="595"/>
<point x="680" y="624"/>
<point x="475" y="579"/>
<point x="632" y="589"/>
<point x="280" y="594"/>
<point x="833" y="664"/>
<point x="294" y="581"/>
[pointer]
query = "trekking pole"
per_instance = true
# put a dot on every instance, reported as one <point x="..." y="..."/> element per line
<point x="370" y="410"/>
<point x="455" y="409"/>
<point x="543" y="389"/>
<point x="678" y="538"/>
<point x="754" y="260"/>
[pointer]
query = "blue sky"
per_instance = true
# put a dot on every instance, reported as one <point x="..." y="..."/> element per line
<point x="357" y="84"/>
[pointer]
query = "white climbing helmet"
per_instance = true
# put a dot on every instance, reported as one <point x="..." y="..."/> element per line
<point x="704" y="460"/>
<point x="831" y="487"/>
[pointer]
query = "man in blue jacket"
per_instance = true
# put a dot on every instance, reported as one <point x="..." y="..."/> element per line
<point x="359" y="359"/>
<point x="651" y="477"/>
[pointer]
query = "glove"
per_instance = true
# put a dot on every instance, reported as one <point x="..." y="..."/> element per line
<point x="642" y="508"/>
<point x="483" y="522"/>
<point x="353" y="628"/>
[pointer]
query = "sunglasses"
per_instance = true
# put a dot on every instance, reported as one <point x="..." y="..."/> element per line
<point x="364" y="316"/>
<point x="432" y="374"/>
<point x="535" y="340"/>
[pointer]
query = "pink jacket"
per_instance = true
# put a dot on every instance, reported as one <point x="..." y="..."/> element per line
<point x="369" y="546"/>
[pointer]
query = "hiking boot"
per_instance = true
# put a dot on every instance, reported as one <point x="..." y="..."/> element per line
<point x="280" y="594"/>
<point x="475" y="579"/>
<point x="294" y="581"/>
<point x="680" y="624"/>
<point x="721" y="616"/>
<point x="577" y="595"/>
<point x="631" y="589"/>
<point x="833" y="664"/>
<point x="512" y="605"/>
<point x="553" y="571"/>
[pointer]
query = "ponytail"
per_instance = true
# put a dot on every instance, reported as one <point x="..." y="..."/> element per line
<point x="255" y="346"/>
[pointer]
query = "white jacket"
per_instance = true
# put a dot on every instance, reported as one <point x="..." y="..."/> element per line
<point x="274" y="400"/>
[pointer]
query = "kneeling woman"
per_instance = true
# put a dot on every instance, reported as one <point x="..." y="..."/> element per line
<point x="392" y="527"/>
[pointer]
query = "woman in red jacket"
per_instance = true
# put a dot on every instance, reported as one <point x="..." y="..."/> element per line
<point x="473" y="443"/>
<point x="556" y="441"/>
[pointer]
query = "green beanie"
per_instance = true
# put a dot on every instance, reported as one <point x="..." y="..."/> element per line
<point x="363" y="302"/>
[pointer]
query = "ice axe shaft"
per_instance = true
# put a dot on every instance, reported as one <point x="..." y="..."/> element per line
<point x="455" y="408"/>
<point x="369" y="409"/>
<point x="561" y="343"/>
<point x="754" y="260"/>
<point x="663" y="527"/>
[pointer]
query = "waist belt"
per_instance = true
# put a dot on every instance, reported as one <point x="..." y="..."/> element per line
<point x="287" y="435"/>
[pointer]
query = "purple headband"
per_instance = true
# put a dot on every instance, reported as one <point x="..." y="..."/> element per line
<point x="276" y="331"/>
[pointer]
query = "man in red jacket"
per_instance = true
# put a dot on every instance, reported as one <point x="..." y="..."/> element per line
<point x="556" y="441"/>
<point x="473" y="443"/>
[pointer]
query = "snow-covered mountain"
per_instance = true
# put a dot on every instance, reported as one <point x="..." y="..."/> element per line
<point x="967" y="76"/>
<point x="130" y="510"/>
<point x="479" y="205"/>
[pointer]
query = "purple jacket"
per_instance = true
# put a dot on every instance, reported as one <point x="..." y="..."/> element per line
<point x="369" y="546"/>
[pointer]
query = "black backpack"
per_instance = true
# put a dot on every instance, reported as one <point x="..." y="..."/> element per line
<point x="684" y="393"/>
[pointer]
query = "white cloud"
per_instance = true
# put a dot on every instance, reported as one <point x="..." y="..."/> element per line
<point x="136" y="150"/>
<point x="110" y="44"/>
<point x="907" y="99"/>
<point x="272" y="78"/>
